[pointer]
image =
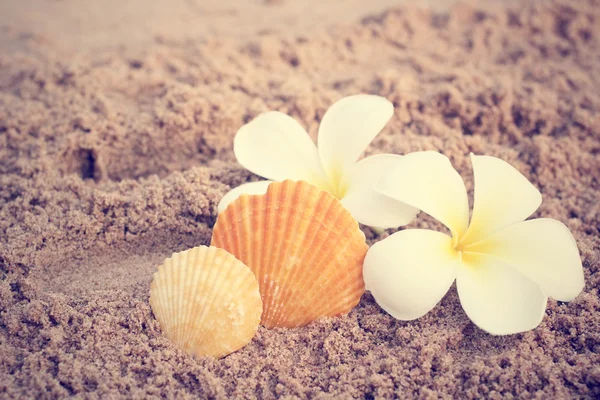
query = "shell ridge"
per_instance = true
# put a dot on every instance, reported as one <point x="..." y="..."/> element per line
<point x="183" y="287"/>
<point x="301" y="235"/>
<point x="217" y="295"/>
<point x="190" y="304"/>
<point x="267" y="235"/>
<point x="240" y="220"/>
<point x="347" y="297"/>
<point x="276" y="256"/>
<point x="300" y="191"/>
<point x="290" y="235"/>
<point x="170" y="296"/>
<point x="342" y="299"/>
<point x="317" y="254"/>
<point x="228" y="289"/>
<point x="351" y="242"/>
<point x="274" y="191"/>
<point x="257" y="269"/>
<point x="207" y="290"/>
<point x="201" y="257"/>
<point x="169" y="286"/>
<point x="239" y="285"/>
<point x="247" y="225"/>
<point x="257" y="234"/>
<point x="353" y="298"/>
<point x="175" y="290"/>
<point x="243" y="285"/>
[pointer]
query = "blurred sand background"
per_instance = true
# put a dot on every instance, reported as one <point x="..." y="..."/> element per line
<point x="133" y="24"/>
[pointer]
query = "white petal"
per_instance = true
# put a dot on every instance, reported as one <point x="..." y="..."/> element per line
<point x="368" y="206"/>
<point x="275" y="146"/>
<point x="503" y="196"/>
<point x="542" y="249"/>
<point x="409" y="272"/>
<point x="348" y="127"/>
<point x="426" y="180"/>
<point x="259" y="187"/>
<point x="497" y="298"/>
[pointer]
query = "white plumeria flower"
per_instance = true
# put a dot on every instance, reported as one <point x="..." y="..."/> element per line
<point x="275" y="146"/>
<point x="504" y="266"/>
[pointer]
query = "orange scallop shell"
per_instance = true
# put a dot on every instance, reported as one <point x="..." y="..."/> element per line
<point x="206" y="301"/>
<point x="304" y="247"/>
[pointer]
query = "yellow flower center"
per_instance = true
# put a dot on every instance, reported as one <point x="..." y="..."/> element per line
<point x="340" y="188"/>
<point x="337" y="185"/>
<point x="467" y="250"/>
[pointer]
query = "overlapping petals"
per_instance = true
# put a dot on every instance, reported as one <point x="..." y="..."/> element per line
<point x="275" y="146"/>
<point x="368" y="206"/>
<point x="392" y="266"/>
<point x="497" y="297"/>
<point x="542" y="249"/>
<point x="503" y="197"/>
<point x="504" y="267"/>
<point x="427" y="181"/>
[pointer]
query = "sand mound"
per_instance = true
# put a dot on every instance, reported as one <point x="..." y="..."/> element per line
<point x="110" y="163"/>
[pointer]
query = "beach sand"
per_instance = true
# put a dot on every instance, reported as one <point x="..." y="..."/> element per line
<point x="114" y="156"/>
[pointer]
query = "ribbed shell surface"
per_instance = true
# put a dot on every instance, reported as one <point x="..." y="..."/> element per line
<point x="206" y="301"/>
<point x="304" y="247"/>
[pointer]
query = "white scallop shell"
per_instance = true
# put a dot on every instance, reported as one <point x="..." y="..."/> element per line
<point x="206" y="301"/>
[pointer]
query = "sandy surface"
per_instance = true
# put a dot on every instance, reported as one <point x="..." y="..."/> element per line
<point x="111" y="160"/>
<point x="135" y="24"/>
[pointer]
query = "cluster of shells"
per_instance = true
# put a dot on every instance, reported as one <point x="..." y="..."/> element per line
<point x="282" y="259"/>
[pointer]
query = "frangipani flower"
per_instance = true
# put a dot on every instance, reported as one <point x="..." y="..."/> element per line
<point x="504" y="266"/>
<point x="275" y="146"/>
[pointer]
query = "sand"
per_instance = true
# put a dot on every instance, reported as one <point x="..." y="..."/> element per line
<point x="111" y="160"/>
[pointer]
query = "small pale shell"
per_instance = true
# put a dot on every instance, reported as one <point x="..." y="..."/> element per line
<point x="304" y="247"/>
<point x="206" y="301"/>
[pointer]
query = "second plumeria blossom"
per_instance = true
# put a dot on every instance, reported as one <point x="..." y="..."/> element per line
<point x="504" y="267"/>
<point x="275" y="146"/>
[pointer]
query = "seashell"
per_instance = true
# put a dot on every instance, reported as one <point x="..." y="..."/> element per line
<point x="304" y="247"/>
<point x="206" y="301"/>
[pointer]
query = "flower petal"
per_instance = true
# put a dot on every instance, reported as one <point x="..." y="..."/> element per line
<point x="426" y="180"/>
<point x="497" y="298"/>
<point x="348" y="127"/>
<point x="368" y="206"/>
<point x="543" y="250"/>
<point x="409" y="272"/>
<point x="503" y="196"/>
<point x="259" y="187"/>
<point x="275" y="146"/>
